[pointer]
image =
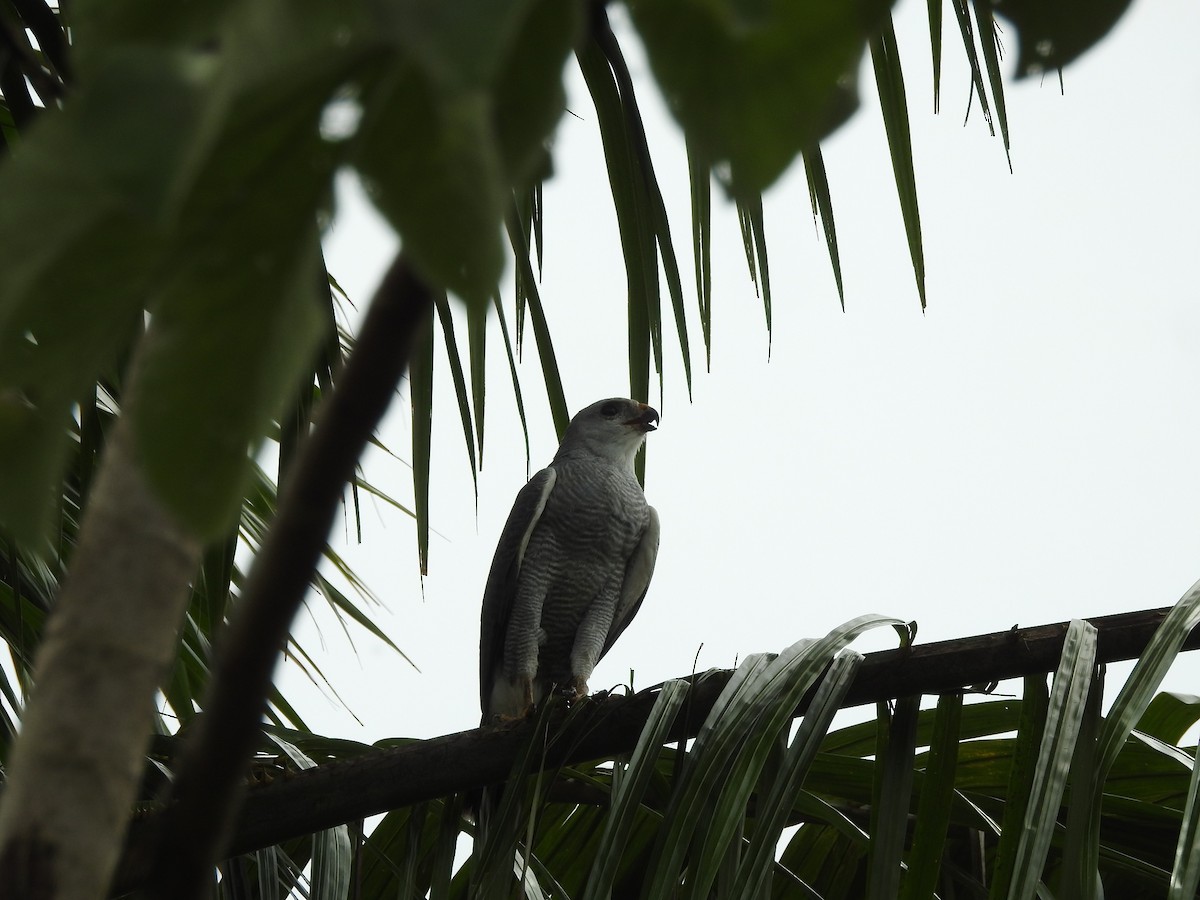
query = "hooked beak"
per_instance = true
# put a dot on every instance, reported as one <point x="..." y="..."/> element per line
<point x="646" y="419"/>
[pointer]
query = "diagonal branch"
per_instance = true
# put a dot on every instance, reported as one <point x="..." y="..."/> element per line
<point x="207" y="792"/>
<point x="383" y="779"/>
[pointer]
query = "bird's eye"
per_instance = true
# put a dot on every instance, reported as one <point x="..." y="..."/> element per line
<point x="610" y="409"/>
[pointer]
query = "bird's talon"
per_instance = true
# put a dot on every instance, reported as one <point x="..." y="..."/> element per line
<point x="576" y="690"/>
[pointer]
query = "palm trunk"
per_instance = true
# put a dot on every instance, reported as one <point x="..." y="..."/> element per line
<point x="108" y="644"/>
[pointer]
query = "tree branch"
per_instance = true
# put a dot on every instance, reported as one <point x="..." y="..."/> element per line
<point x="207" y="788"/>
<point x="386" y="779"/>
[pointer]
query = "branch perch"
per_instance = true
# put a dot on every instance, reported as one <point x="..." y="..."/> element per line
<point x="386" y="779"/>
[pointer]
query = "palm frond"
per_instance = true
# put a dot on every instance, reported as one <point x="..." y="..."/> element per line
<point x="890" y="80"/>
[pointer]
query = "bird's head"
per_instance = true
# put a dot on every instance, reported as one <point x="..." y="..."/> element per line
<point x="611" y="429"/>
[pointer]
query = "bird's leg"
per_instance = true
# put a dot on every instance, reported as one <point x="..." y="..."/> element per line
<point x="576" y="688"/>
<point x="512" y="698"/>
<point x="589" y="641"/>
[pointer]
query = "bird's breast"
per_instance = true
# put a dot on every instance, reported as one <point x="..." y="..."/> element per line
<point x="597" y="503"/>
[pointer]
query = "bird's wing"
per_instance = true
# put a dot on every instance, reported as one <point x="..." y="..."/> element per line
<point x="638" y="571"/>
<point x="502" y="579"/>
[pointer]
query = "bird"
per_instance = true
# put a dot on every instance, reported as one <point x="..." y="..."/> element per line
<point x="572" y="565"/>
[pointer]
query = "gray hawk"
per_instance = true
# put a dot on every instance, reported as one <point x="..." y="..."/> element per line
<point x="572" y="565"/>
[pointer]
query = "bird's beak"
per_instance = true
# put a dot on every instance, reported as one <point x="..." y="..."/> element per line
<point x="645" y="420"/>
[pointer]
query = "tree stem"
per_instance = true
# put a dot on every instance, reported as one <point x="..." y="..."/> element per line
<point x="109" y="641"/>
<point x="207" y="789"/>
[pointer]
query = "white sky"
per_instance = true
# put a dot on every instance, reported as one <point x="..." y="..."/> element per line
<point x="1022" y="453"/>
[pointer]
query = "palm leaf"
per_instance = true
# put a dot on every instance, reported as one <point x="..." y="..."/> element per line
<point x="894" y="756"/>
<point x="935" y="44"/>
<point x="1185" y="875"/>
<point x="446" y="320"/>
<point x="420" y="381"/>
<point x="756" y="866"/>
<point x="962" y="13"/>
<point x="1068" y="701"/>
<point x="641" y="213"/>
<point x="516" y="383"/>
<point x="700" y="184"/>
<point x="754" y="243"/>
<point x="889" y="78"/>
<point x="541" y="330"/>
<point x="628" y="790"/>
<point x="989" y="39"/>
<point x="822" y="206"/>
<point x="933" y="811"/>
<point x="731" y="749"/>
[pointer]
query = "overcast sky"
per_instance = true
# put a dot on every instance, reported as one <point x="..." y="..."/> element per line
<point x="1024" y="452"/>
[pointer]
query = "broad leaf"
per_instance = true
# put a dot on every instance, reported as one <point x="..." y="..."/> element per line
<point x="754" y="84"/>
<point x="454" y="121"/>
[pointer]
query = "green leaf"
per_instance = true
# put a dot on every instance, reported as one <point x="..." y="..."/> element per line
<point x="331" y="864"/>
<point x="935" y="44"/>
<point x="501" y="825"/>
<point x="80" y="252"/>
<point x="1052" y="35"/>
<point x="1129" y="706"/>
<point x="516" y="381"/>
<point x="632" y="786"/>
<point x="978" y="720"/>
<point x="649" y="221"/>
<point x="482" y="87"/>
<point x="262" y="324"/>
<point x="1068" y="700"/>
<point x="637" y="202"/>
<point x="97" y="26"/>
<point x="445" y="848"/>
<point x="420" y="381"/>
<point x="722" y="775"/>
<point x="822" y="207"/>
<point x="753" y="84"/>
<point x="1032" y="727"/>
<point x="700" y="182"/>
<point x="477" y="355"/>
<point x="342" y="604"/>
<point x="933" y="810"/>
<point x="527" y="212"/>
<point x="529" y="95"/>
<point x="989" y="41"/>
<point x="446" y="320"/>
<point x="407" y="879"/>
<point x="331" y="853"/>
<point x="774" y="805"/>
<point x="891" y="795"/>
<point x="1185" y="876"/>
<point x="754" y="242"/>
<point x="406" y="852"/>
<point x="261" y="312"/>
<point x="731" y="749"/>
<point x="827" y="858"/>
<point x="1169" y="716"/>
<point x="444" y="193"/>
<point x="885" y="56"/>
<point x="541" y="332"/>
<point x="1079" y="870"/>
<point x="461" y="46"/>
<point x="962" y="12"/>
<point x="1148" y="672"/>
